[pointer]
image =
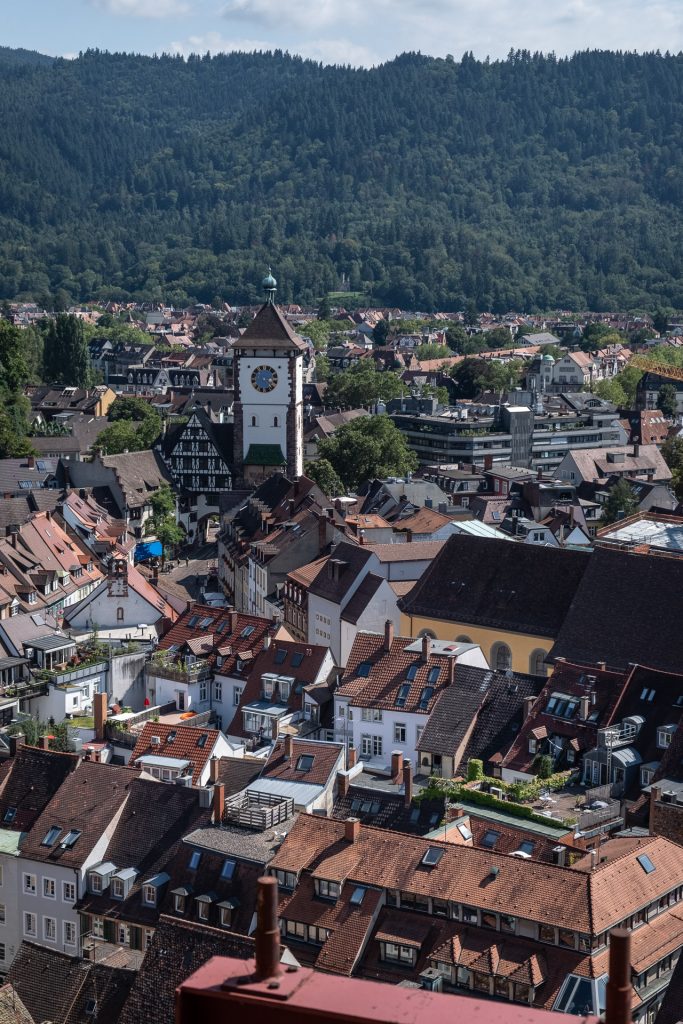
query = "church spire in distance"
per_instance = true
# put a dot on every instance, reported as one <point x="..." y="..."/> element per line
<point x="269" y="285"/>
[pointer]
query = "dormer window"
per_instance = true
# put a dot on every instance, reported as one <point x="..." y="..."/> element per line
<point x="149" y="895"/>
<point x="665" y="735"/>
<point x="117" y="888"/>
<point x="326" y="889"/>
<point x="95" y="883"/>
<point x="227" y="909"/>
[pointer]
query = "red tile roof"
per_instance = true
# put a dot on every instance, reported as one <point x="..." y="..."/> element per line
<point x="388" y="672"/>
<point x="325" y="758"/>
<point x="226" y="627"/>
<point x="186" y="744"/>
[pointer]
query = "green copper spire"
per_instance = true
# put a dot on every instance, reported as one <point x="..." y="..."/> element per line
<point x="269" y="284"/>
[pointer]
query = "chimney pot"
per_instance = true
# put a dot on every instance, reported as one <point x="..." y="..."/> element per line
<point x="218" y="802"/>
<point x="388" y="634"/>
<point x="407" y="783"/>
<point x="351" y="829"/>
<point x="602" y="665"/>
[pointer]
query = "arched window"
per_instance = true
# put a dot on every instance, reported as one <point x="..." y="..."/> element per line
<point x="463" y="640"/>
<point x="426" y="632"/>
<point x="275" y="422"/>
<point x="537" y="666"/>
<point x="501" y="657"/>
<point x="253" y="421"/>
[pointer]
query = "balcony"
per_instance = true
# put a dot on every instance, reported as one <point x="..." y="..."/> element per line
<point x="178" y="670"/>
<point x="259" y="811"/>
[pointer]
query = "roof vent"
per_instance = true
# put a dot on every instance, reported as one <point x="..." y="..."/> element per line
<point x="155" y="741"/>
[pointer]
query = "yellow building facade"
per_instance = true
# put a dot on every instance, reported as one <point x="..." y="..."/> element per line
<point x="503" y="649"/>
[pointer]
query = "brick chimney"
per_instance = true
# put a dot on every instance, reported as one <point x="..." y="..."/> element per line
<point x="528" y="705"/>
<point x="100" y="714"/>
<point x="585" y="705"/>
<point x="218" y="802"/>
<point x="488" y="462"/>
<point x="351" y="757"/>
<point x="409" y="536"/>
<point x="655" y="795"/>
<point x="31" y="461"/>
<point x="342" y="783"/>
<point x="396" y="764"/>
<point x="44" y="742"/>
<point x="452" y="662"/>
<point x="16" y="741"/>
<point x="407" y="783"/>
<point x="214" y="766"/>
<point x="352" y="829"/>
<point x="289" y="745"/>
<point x="388" y="634"/>
<point x="426" y="647"/>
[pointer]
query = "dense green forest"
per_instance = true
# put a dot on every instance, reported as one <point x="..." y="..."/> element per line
<point x="530" y="183"/>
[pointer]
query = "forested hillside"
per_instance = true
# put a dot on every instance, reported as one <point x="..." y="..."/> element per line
<point x="529" y="183"/>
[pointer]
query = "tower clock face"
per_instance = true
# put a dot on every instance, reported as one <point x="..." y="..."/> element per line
<point x="264" y="379"/>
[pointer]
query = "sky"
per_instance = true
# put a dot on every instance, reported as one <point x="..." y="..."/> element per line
<point x="357" y="32"/>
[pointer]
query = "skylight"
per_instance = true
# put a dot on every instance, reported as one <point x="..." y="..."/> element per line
<point x="10" y="815"/>
<point x="247" y="631"/>
<point x="432" y="856"/>
<point x="464" y="832"/>
<point x="70" y="839"/>
<point x="526" y="847"/>
<point x="201" y="742"/>
<point x="363" y="669"/>
<point x="194" y="860"/>
<point x="51" y="837"/>
<point x="304" y="763"/>
<point x="280" y="656"/>
<point x="192" y="621"/>
<point x="228" y="869"/>
<point x="646" y="864"/>
<point x="357" y="896"/>
<point x="205" y="622"/>
<point x="402" y="695"/>
<point x="425" y="697"/>
<point x="171" y="736"/>
<point x="296" y="659"/>
<point x="434" y="674"/>
<point x="412" y="670"/>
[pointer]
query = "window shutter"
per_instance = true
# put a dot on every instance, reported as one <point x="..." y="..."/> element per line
<point x="109" y="931"/>
<point x="135" y="937"/>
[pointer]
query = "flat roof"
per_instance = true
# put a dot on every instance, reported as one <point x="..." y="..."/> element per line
<point x="300" y="792"/>
<point x="657" y="534"/>
<point x="51" y="643"/>
<point x="164" y="762"/>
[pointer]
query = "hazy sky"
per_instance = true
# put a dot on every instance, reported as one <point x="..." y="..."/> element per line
<point x="342" y="31"/>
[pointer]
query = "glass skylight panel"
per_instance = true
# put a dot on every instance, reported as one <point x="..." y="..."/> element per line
<point x="10" y="815"/>
<point x="490" y="839"/>
<point x="192" y="622"/>
<point x="228" y="869"/>
<point x="70" y="839"/>
<point x="434" y="674"/>
<point x="296" y="659"/>
<point x="645" y="863"/>
<point x="426" y="696"/>
<point x="402" y="695"/>
<point x="304" y="763"/>
<point x="432" y="856"/>
<point x="51" y="838"/>
<point x="464" y="832"/>
<point x="412" y="670"/>
<point x="357" y="896"/>
<point x="280" y="656"/>
<point x="363" y="669"/>
<point x="194" y="860"/>
<point x="247" y="631"/>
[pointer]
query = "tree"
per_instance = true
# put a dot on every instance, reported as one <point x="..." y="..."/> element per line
<point x="380" y="332"/>
<point x="660" y="322"/>
<point x="162" y="524"/>
<point x="322" y="367"/>
<point x="119" y="437"/>
<point x="610" y="391"/>
<point x="667" y="400"/>
<point x="130" y="409"/>
<point x="471" y="315"/>
<point x="672" y="451"/>
<point x="326" y="478"/>
<point x="498" y="337"/>
<point x="430" y="350"/>
<point x="544" y="766"/>
<point x="456" y="338"/>
<point x="14" y="406"/>
<point x="362" y="385"/>
<point x="66" y="358"/>
<point x="621" y="503"/>
<point x="324" y="308"/>
<point x="367" y="448"/>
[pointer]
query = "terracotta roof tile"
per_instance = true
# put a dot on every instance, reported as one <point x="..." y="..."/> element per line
<point x="325" y="758"/>
<point x="181" y="741"/>
<point x="388" y="672"/>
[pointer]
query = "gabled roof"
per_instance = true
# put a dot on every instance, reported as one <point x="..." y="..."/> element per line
<point x="640" y="602"/>
<point x="33" y="777"/>
<point x="56" y="987"/>
<point x="312" y="762"/>
<point x="362" y="598"/>
<point x="270" y="330"/>
<point x="227" y="628"/>
<point x="139" y="474"/>
<point x="184" y="742"/>
<point x="355" y="557"/>
<point x="86" y="802"/>
<point x="517" y="587"/>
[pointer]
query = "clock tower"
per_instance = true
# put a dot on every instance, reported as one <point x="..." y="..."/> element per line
<point x="268" y="406"/>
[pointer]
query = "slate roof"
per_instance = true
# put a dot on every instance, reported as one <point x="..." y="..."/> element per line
<point x="500" y="717"/>
<point x="139" y="474"/>
<point x="325" y="757"/>
<point x="178" y="949"/>
<point x="518" y="587"/>
<point x="237" y="772"/>
<point x="33" y="777"/>
<point x="362" y="598"/>
<point x="640" y="602"/>
<point x="87" y="801"/>
<point x="56" y="987"/>
<point x="185" y="743"/>
<point x="355" y="558"/>
<point x="14" y="471"/>
<point x="269" y="329"/>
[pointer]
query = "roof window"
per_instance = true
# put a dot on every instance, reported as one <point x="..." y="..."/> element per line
<point x="648" y="695"/>
<point x="432" y="856"/>
<point x="70" y="839"/>
<point x="357" y="896"/>
<point x="490" y="839"/>
<point x="296" y="659"/>
<point x="280" y="656"/>
<point x="51" y="838"/>
<point x="10" y="815"/>
<point x="304" y="762"/>
<point x="425" y="697"/>
<point x="194" y="860"/>
<point x="247" y="631"/>
<point x="646" y="864"/>
<point x="228" y="869"/>
<point x="464" y="831"/>
<point x="201" y="742"/>
<point x="402" y="695"/>
<point x="192" y="621"/>
<point x="363" y="669"/>
<point x="412" y="670"/>
<point x="434" y="674"/>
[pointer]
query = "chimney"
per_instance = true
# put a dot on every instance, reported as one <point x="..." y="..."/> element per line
<point x="636" y="449"/>
<point x="214" y="765"/>
<point x="388" y="634"/>
<point x="342" y="783"/>
<point x="426" y="647"/>
<point x="452" y="662"/>
<point x="585" y="705"/>
<point x="289" y="745"/>
<point x="407" y="783"/>
<point x="528" y="705"/>
<point x="488" y="462"/>
<point x="100" y="714"/>
<point x="351" y="829"/>
<point x="16" y="741"/>
<point x="232" y="619"/>
<point x="396" y="764"/>
<point x="409" y="536"/>
<point x="266" y="641"/>
<point x="218" y="802"/>
<point x="473" y="469"/>
<point x="602" y="665"/>
<point x="44" y="742"/>
<point x="655" y="795"/>
<point x="31" y="461"/>
<point x="351" y="757"/>
<point x="539" y="474"/>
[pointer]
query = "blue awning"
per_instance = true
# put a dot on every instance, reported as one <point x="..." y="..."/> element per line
<point x="150" y="549"/>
